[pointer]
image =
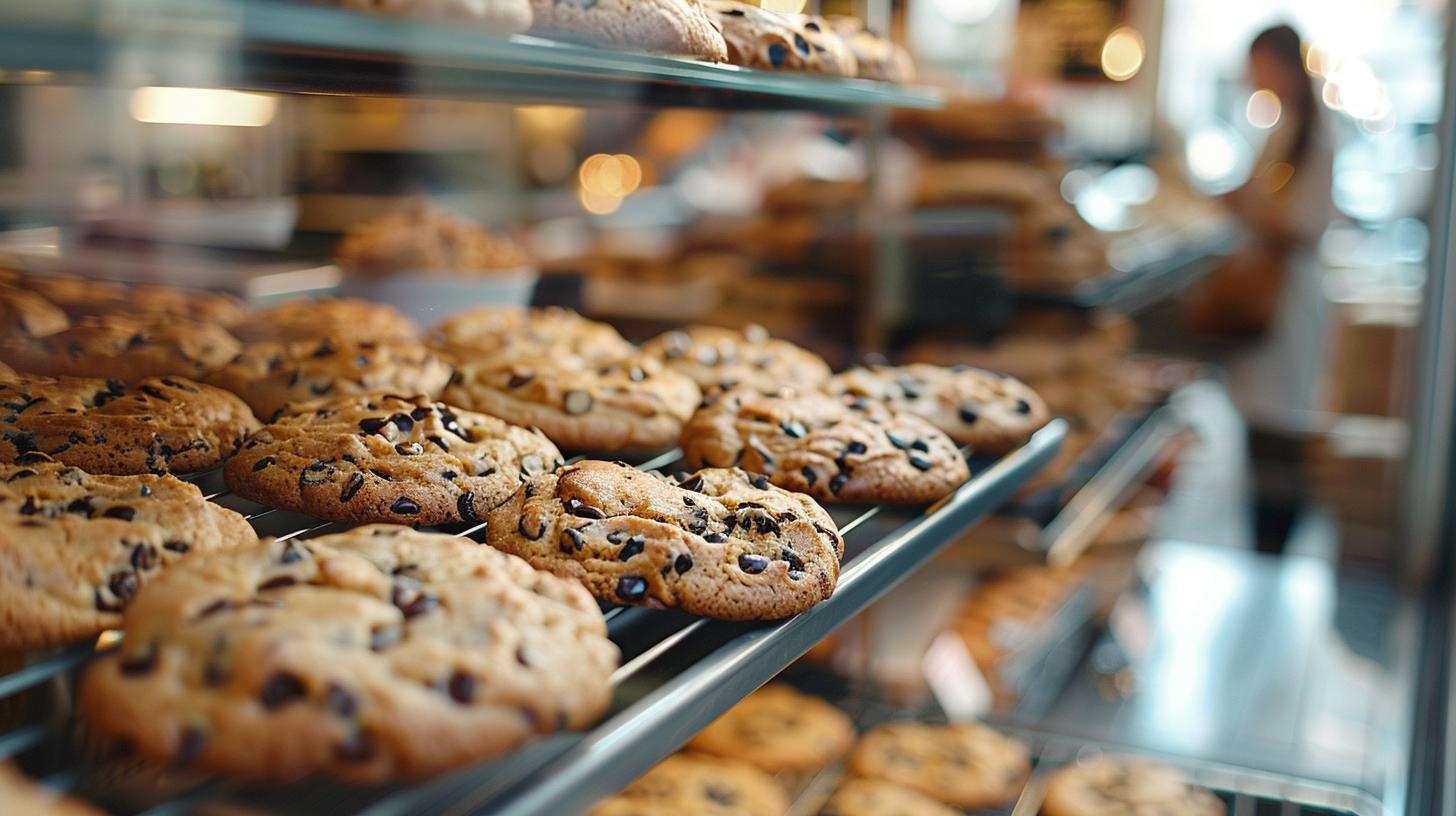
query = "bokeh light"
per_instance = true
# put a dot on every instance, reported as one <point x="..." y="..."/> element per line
<point x="1122" y="54"/>
<point x="202" y="106"/>
<point x="1263" y="109"/>
<point x="607" y="179"/>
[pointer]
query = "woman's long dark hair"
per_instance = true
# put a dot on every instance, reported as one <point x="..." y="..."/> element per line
<point x="1282" y="43"/>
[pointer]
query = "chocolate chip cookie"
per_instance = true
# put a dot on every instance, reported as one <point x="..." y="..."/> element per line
<point x="873" y="797"/>
<point x="698" y="785"/>
<point x="834" y="449"/>
<point x="966" y="765"/>
<point x="710" y="356"/>
<point x="386" y="458"/>
<point x="78" y="546"/>
<point x="123" y="348"/>
<point x="91" y="298"/>
<point x="488" y="333"/>
<point x="368" y="655"/>
<point x="767" y="40"/>
<point x="343" y="319"/>
<point x="269" y="376"/>
<point x="990" y="412"/>
<point x="157" y="425"/>
<point x="630" y="404"/>
<point x="1113" y="786"/>
<point x="26" y="314"/>
<point x="723" y="543"/>
<point x="778" y="729"/>
<point x="680" y="28"/>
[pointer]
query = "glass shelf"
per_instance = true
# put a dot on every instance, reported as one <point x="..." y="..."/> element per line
<point x="300" y="48"/>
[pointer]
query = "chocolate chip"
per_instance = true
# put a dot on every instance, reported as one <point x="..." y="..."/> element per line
<point x="123" y="586"/>
<point x="759" y="481"/>
<point x="403" y="506"/>
<point x="439" y="442"/>
<point x="682" y="563"/>
<point x="121" y="512"/>
<point x="777" y="54"/>
<point x="577" y="507"/>
<point x="278" y="582"/>
<point x="82" y="507"/>
<point x="633" y="547"/>
<point x="752" y="564"/>
<point x="465" y="506"/>
<point x="292" y="554"/>
<point x="144" y="557"/>
<point x="793" y="429"/>
<point x="693" y="483"/>
<point x="419" y="413"/>
<point x="715" y="538"/>
<point x="351" y="488"/>
<point x="577" y="402"/>
<point x="280" y="690"/>
<point x="837" y="483"/>
<point x="518" y="380"/>
<point x="373" y="426"/>
<point x="358" y="747"/>
<point x="402" y="422"/>
<point x="340" y="701"/>
<point x="214" y="608"/>
<point x="631" y="587"/>
<point x="1022" y="406"/>
<point x="20" y="474"/>
<point x="969" y="415"/>
<point x="855" y="448"/>
<point x="410" y="449"/>
<point x="317" y="473"/>
<point x="189" y="746"/>
<point x="793" y="560"/>
<point x="176" y="546"/>
<point x="266" y="461"/>
<point x="382" y="637"/>
<point x="571" y="540"/>
<point x="462" y="687"/>
<point x="809" y="475"/>
<point x="897" y="440"/>
<point x="142" y="663"/>
<point x="411" y="598"/>
<point x="920" y="462"/>
<point x="521" y="528"/>
<point x="920" y="445"/>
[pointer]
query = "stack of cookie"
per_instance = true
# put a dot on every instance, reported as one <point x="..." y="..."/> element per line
<point x="909" y="767"/>
<point x="768" y="40"/>
<point x="1003" y="615"/>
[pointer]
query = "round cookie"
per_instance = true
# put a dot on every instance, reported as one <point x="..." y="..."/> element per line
<point x="873" y="797"/>
<point x="966" y="765"/>
<point x="1113" y="786"/>
<point x="343" y="319"/>
<point x="78" y="546"/>
<point x="709" y="355"/>
<point x="269" y="376"/>
<point x="833" y="449"/>
<point x="763" y="39"/>
<point x="702" y="786"/>
<point x="634" y="403"/>
<point x="26" y="314"/>
<point x="157" y="425"/>
<point x="123" y="348"/>
<point x="778" y="729"/>
<point x="990" y="412"/>
<point x="680" y="28"/>
<point x="80" y="298"/>
<point x="25" y="797"/>
<point x="722" y="544"/>
<point x="488" y="333"/>
<point x="368" y="655"/>
<point x="878" y="57"/>
<point x="419" y="238"/>
<point x="388" y="458"/>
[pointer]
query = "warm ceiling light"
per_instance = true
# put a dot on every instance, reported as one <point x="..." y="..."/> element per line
<point x="1263" y="109"/>
<point x="1122" y="54"/>
<point x="202" y="106"/>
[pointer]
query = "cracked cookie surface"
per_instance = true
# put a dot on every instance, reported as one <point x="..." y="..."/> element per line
<point x="709" y="356"/>
<point x="123" y="348"/>
<point x="721" y="544"/>
<point x="344" y="319"/>
<point x="990" y="412"/>
<point x="78" y="546"/>
<point x="834" y="449"/>
<point x="966" y="764"/>
<point x="372" y="654"/>
<point x="495" y="333"/>
<point x="269" y="376"/>
<point x="407" y="460"/>
<point x="157" y="425"/>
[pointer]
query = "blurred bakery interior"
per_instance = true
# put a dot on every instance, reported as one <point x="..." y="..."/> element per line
<point x="1212" y="239"/>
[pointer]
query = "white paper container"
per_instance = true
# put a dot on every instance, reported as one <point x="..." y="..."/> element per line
<point x="429" y="297"/>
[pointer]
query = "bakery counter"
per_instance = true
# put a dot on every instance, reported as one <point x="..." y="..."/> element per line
<point x="302" y="48"/>
<point x="678" y="673"/>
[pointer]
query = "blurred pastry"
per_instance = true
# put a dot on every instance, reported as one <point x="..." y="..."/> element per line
<point x="1115" y="786"/>
<point x="710" y="356"/>
<point x="778" y="729"/>
<point x="674" y="27"/>
<point x="124" y="348"/>
<point x="686" y="784"/>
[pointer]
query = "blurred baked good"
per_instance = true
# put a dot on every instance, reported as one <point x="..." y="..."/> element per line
<point x="498" y="16"/>
<point x="124" y="348"/>
<point x="421" y="238"/>
<point x="768" y="40"/>
<point x="26" y="797"/>
<point x="347" y="319"/>
<point x="675" y="27"/>
<point x="81" y="297"/>
<point x="875" y="797"/>
<point x="500" y="333"/>
<point x="702" y="786"/>
<point x="967" y="765"/>
<point x="878" y="57"/>
<point x="27" y="314"/>
<point x="711" y="355"/>
<point x="778" y="729"/>
<point x="1115" y="786"/>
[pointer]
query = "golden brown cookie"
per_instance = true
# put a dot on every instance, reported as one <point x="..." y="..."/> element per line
<point x="123" y="348"/>
<point x="711" y="356"/>
<point x="368" y="655"/>
<point x="77" y="546"/>
<point x="80" y="298"/>
<point x="874" y="797"/>
<point x="343" y="319"/>
<point x="778" y="729"/>
<point x="674" y="27"/>
<point x="718" y="544"/>
<point x="489" y="333"/>
<point x="407" y="460"/>
<point x="421" y="238"/>
<point x="631" y="404"/>
<point x="764" y="39"/>
<point x="878" y="57"/>
<point x="834" y="449"/>
<point x="157" y="425"/>
<point x="270" y="375"/>
<point x="1114" y="786"/>
<point x="686" y="784"/>
<point x="24" y="313"/>
<point x="967" y="765"/>
<point x="992" y="413"/>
